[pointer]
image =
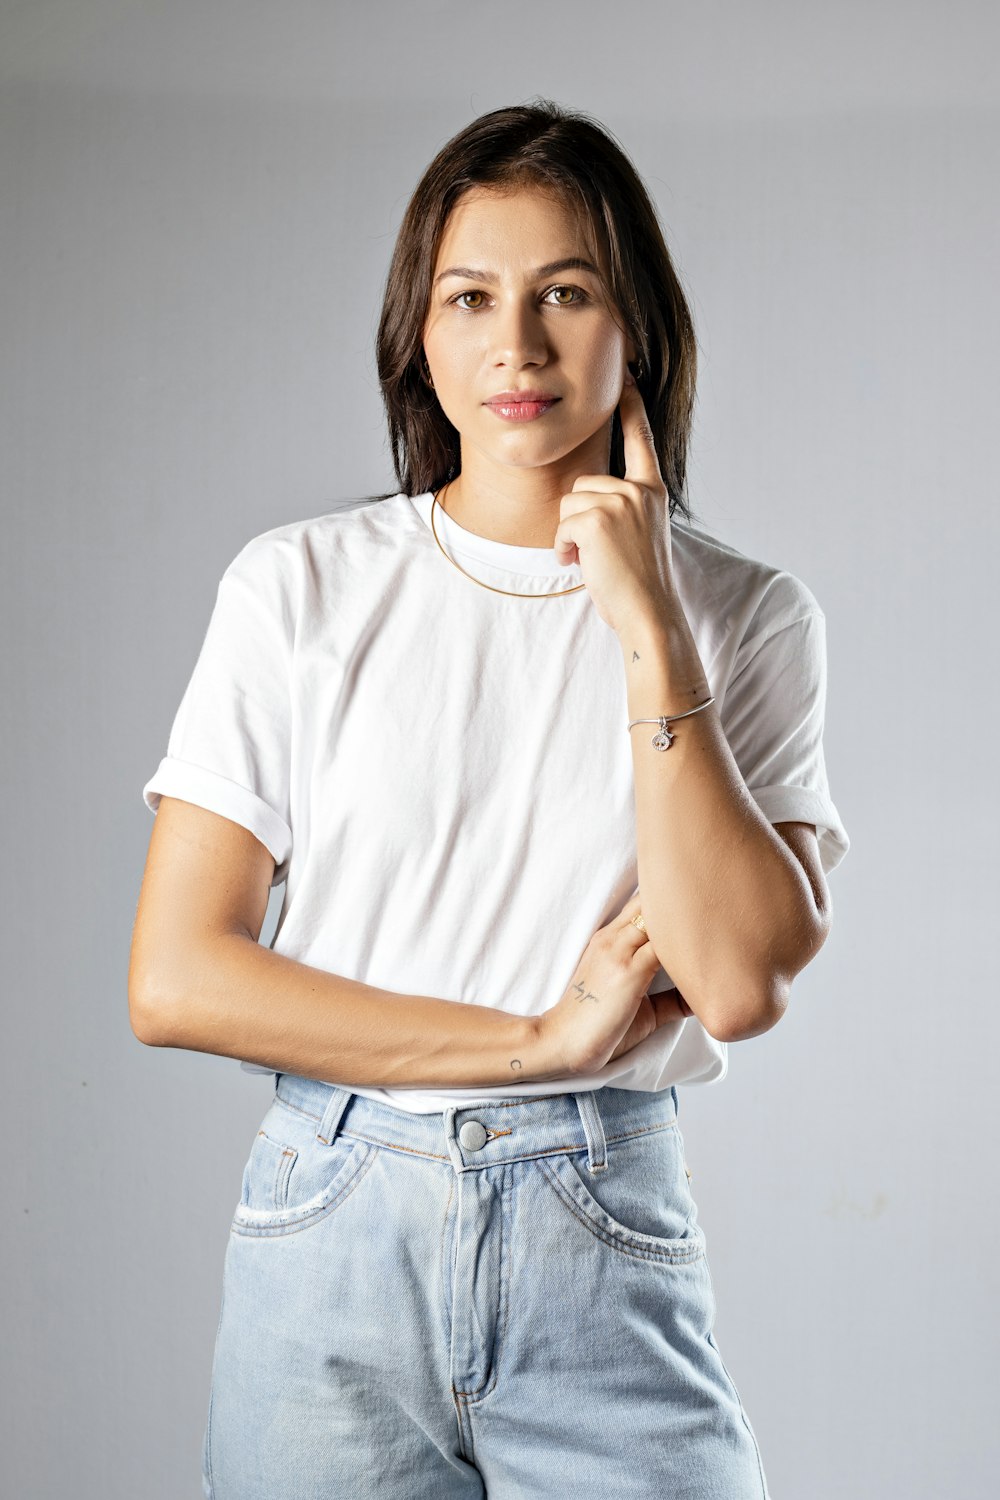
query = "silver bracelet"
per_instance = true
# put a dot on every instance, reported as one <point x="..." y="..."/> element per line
<point x="662" y="739"/>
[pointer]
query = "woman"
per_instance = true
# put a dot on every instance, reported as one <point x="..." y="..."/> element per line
<point x="466" y="1260"/>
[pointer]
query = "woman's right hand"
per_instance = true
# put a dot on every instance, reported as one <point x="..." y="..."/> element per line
<point x="605" y="1010"/>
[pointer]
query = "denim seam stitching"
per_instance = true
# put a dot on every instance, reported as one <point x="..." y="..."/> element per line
<point x="393" y="1146"/>
<point x="545" y="1150"/>
<point x="626" y="1246"/>
<point x="252" y="1229"/>
<point x="444" y="1225"/>
<point x="305" y="1113"/>
<point x="482" y="1391"/>
<point x="438" y="1156"/>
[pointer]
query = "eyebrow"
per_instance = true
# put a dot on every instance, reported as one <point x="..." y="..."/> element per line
<point x="571" y="263"/>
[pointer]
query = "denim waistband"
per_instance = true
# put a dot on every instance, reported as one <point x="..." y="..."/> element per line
<point x="489" y="1133"/>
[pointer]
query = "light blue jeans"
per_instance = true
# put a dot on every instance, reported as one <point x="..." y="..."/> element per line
<point x="508" y="1299"/>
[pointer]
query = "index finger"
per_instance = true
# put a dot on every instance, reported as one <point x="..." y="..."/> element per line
<point x="641" y="462"/>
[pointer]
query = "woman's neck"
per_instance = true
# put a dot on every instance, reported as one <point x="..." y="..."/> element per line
<point x="522" y="509"/>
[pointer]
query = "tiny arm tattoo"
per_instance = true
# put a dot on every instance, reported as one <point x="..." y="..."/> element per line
<point x="697" y="689"/>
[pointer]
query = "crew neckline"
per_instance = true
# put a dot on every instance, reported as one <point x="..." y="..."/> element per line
<point x="529" y="562"/>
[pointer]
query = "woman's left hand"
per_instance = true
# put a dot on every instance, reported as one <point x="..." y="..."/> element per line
<point x="619" y="529"/>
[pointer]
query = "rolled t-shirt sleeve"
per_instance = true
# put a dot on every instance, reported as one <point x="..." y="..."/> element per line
<point x="229" y="748"/>
<point x="773" y="714"/>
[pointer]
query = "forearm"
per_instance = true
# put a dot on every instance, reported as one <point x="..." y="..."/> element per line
<point x="727" y="905"/>
<point x="242" y="1000"/>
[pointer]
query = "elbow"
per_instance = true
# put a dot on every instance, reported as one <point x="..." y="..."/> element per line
<point x="145" y="989"/>
<point x="152" y="1015"/>
<point x="763" y="1007"/>
<point x="751" y="1015"/>
<point x="146" y="1021"/>
<point x="169" y="996"/>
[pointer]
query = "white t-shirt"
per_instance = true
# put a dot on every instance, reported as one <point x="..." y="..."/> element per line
<point x="443" y="774"/>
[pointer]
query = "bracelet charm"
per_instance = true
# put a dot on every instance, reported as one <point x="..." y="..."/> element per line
<point x="663" y="739"/>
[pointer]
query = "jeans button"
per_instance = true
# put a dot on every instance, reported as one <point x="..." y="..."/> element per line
<point x="473" y="1135"/>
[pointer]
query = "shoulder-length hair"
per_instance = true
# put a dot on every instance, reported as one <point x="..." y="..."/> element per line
<point x="564" y="151"/>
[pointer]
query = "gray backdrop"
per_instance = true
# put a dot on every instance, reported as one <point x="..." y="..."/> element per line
<point x="198" y="205"/>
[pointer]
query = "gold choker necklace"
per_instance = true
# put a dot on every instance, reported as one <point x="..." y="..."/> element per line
<point x="513" y="592"/>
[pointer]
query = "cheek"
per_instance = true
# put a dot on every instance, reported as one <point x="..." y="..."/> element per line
<point x="606" y="370"/>
<point x="604" y="356"/>
<point x="455" y="359"/>
<point x="444" y="342"/>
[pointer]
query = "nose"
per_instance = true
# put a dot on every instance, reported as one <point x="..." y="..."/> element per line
<point x="518" y="332"/>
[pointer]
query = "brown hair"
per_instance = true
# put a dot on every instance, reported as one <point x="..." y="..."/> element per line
<point x="540" y="144"/>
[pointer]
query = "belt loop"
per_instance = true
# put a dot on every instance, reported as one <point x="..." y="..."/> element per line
<point x="330" y="1123"/>
<point x="597" y="1147"/>
<point x="454" y="1149"/>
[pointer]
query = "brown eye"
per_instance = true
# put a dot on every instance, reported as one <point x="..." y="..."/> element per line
<point x="575" y="295"/>
<point x="468" y="294"/>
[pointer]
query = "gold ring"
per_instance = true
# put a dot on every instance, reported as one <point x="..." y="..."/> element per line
<point x="639" y="921"/>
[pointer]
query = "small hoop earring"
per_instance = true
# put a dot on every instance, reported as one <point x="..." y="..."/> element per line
<point x="640" y="368"/>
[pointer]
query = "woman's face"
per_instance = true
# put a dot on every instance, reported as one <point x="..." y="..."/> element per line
<point x="513" y="319"/>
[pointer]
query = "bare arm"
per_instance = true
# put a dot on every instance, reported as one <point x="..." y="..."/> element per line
<point x="737" y="909"/>
<point x="200" y="980"/>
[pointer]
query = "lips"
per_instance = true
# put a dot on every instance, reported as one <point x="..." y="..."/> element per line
<point x="521" y="406"/>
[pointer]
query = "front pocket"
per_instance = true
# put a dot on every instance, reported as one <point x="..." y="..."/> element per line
<point x="639" y="1203"/>
<point x="292" y="1179"/>
<point x="265" y="1176"/>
